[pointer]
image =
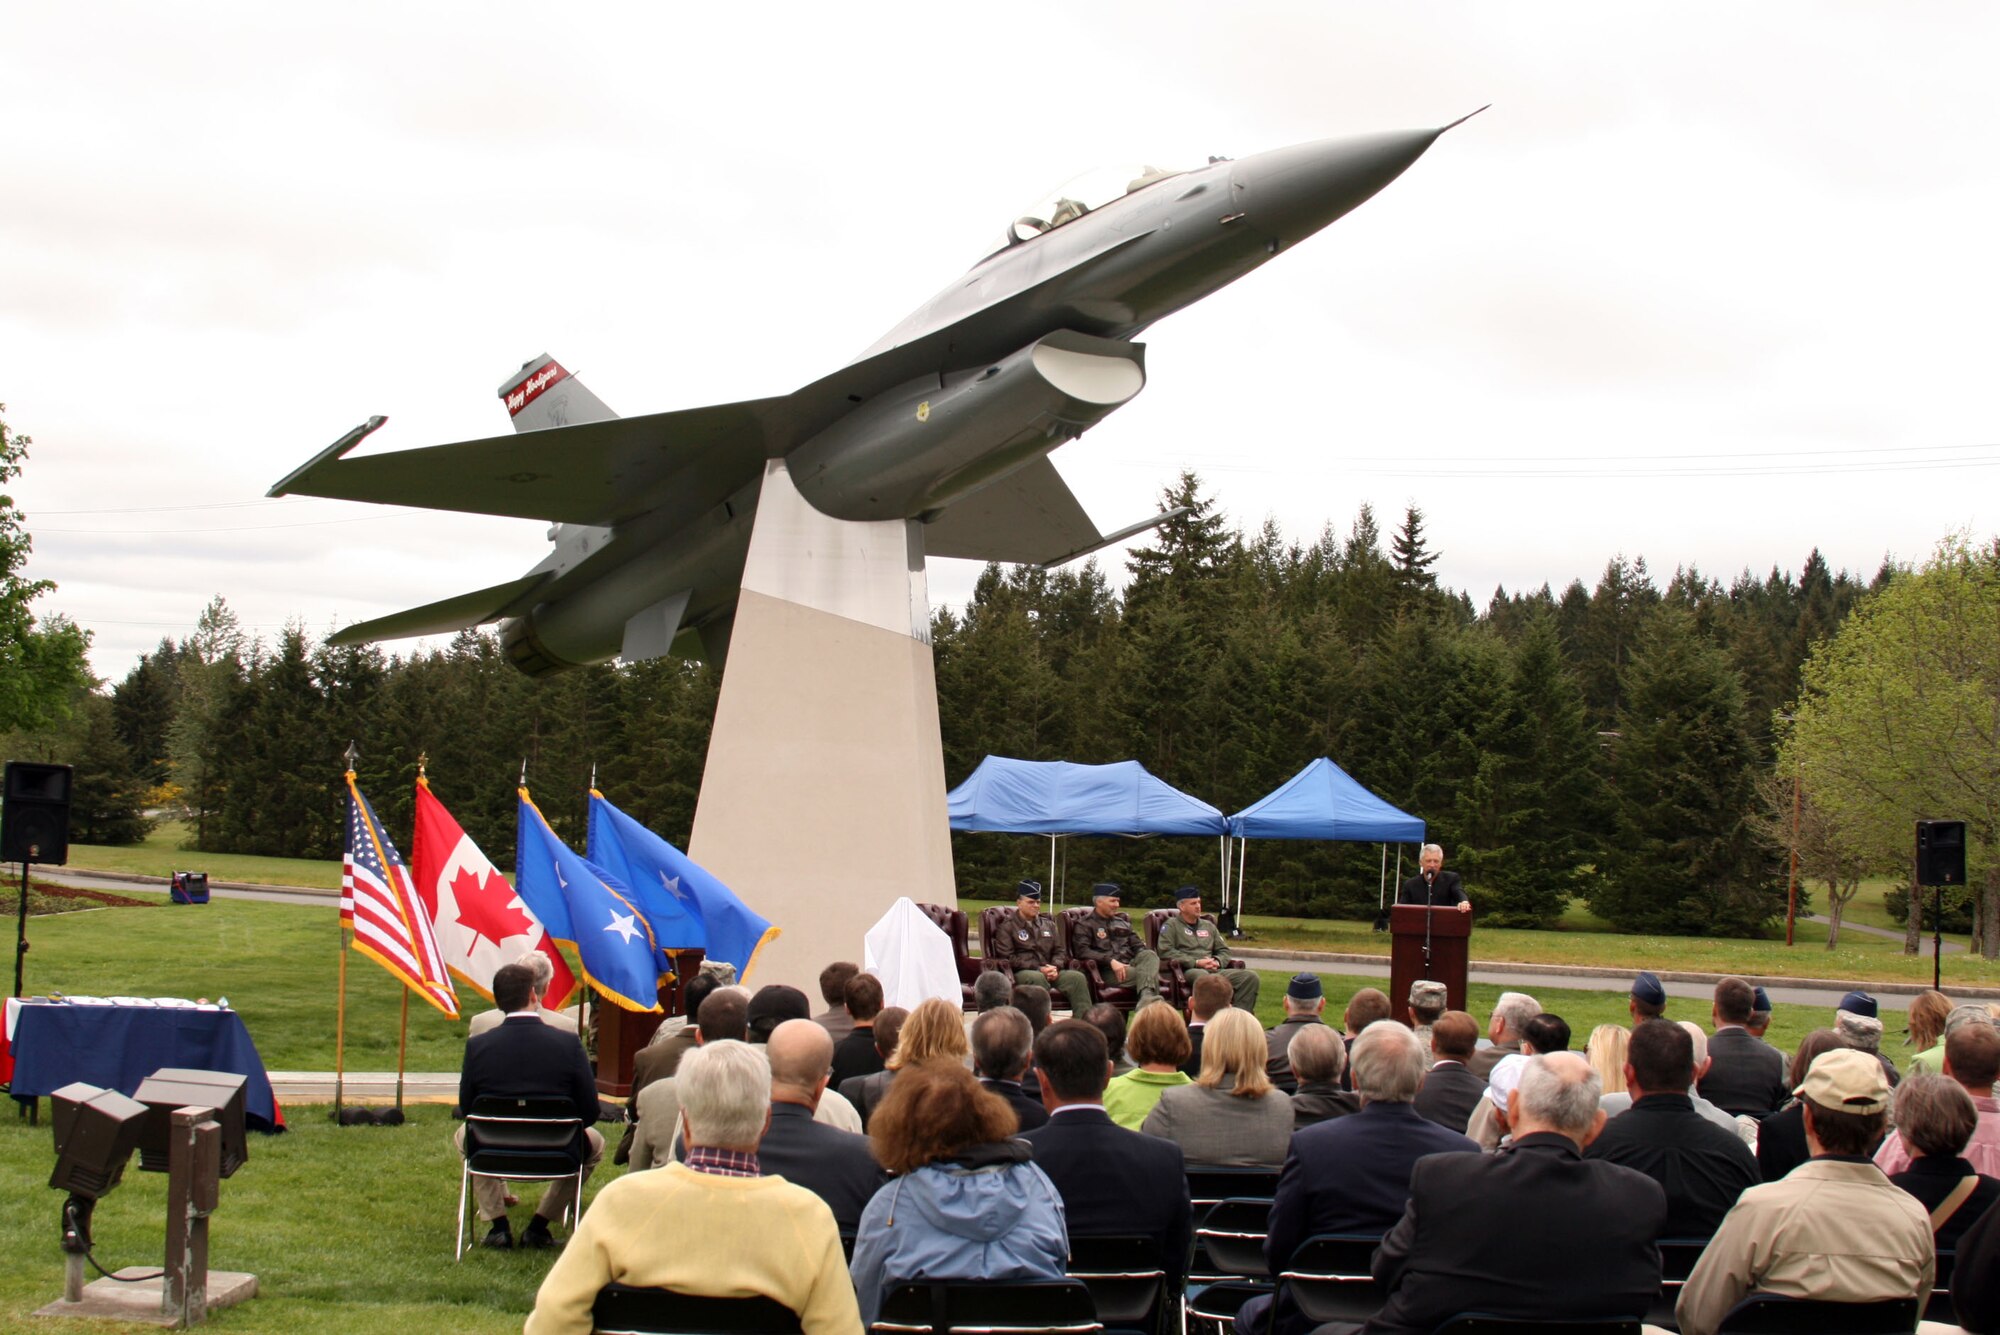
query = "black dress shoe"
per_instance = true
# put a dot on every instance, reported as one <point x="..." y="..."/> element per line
<point x="537" y="1234"/>
<point x="499" y="1237"/>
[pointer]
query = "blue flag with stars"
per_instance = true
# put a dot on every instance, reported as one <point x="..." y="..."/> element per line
<point x="584" y="906"/>
<point x="729" y="931"/>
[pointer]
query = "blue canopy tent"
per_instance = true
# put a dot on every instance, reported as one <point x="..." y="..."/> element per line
<point x="1059" y="799"/>
<point x="1322" y="801"/>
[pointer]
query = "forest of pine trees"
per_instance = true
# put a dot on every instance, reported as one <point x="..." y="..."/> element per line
<point x="1599" y="742"/>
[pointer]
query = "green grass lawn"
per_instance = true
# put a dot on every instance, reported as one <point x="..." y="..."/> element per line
<point x="161" y="854"/>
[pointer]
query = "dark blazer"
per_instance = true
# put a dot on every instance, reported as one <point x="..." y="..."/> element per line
<point x="522" y="1058"/>
<point x="1701" y="1167"/>
<point x="1278" y="1049"/>
<point x="1449" y="1094"/>
<point x="1192" y="1066"/>
<point x="1537" y="1232"/>
<point x="1449" y="890"/>
<point x="1534" y="1232"/>
<point x="1745" y="1074"/>
<point x="1115" y="1182"/>
<point x="865" y="1092"/>
<point x="832" y="1164"/>
<point x="1932" y="1178"/>
<point x="855" y="1055"/>
<point x="1781" y="1142"/>
<point x="1030" y="1111"/>
<point x="1485" y="1059"/>
<point x="1975" y="1281"/>
<point x="1322" y="1101"/>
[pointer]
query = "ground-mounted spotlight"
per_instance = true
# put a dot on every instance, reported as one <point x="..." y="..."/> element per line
<point x="96" y="1131"/>
<point x="170" y="1088"/>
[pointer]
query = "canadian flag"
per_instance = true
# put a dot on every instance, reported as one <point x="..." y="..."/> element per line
<point x="479" y="921"/>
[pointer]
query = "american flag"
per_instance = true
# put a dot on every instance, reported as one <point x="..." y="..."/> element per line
<point x="390" y="925"/>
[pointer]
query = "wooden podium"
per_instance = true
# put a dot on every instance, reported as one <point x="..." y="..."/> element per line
<point x="621" y="1033"/>
<point x="1450" y="934"/>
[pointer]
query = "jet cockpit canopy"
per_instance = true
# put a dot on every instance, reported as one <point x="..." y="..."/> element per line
<point x="1092" y="190"/>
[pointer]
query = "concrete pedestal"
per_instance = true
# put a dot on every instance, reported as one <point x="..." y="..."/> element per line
<point x="823" y="798"/>
<point x="109" y="1300"/>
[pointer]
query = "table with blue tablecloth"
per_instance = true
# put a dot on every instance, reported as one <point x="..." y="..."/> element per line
<point x="116" y="1047"/>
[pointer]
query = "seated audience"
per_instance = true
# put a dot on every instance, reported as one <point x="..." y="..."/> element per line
<point x="1928" y="1012"/>
<point x="707" y="1227"/>
<point x="1614" y="1104"/>
<point x="1488" y="1123"/>
<point x="836" y="1019"/>
<point x="1364" y="1008"/>
<point x="1231" y="1115"/>
<point x="1745" y="1075"/>
<point x="863" y="1092"/>
<point x="1352" y="1175"/>
<point x="1032" y="1002"/>
<point x="1459" y="1246"/>
<point x="966" y="1202"/>
<point x="1760" y="1016"/>
<point x="1545" y="1034"/>
<point x="1113" y="1182"/>
<point x="931" y="1033"/>
<point x="1001" y="1043"/>
<point x="834" y="1165"/>
<point x="1858" y="1019"/>
<point x="855" y="1053"/>
<point x="525" y="1058"/>
<point x="1159" y="1044"/>
<point x="1781" y="1137"/>
<point x="1648" y="999"/>
<point x="1451" y="1091"/>
<point x="1208" y="996"/>
<point x="1606" y="1054"/>
<point x="543" y="971"/>
<point x="1934" y="1120"/>
<point x="724" y="1018"/>
<point x="1304" y="999"/>
<point x="1834" y="1228"/>
<point x="1701" y="1167"/>
<point x="772" y="1006"/>
<point x="1427" y="1002"/>
<point x="1110" y="1022"/>
<point x="1317" y="1060"/>
<point x="990" y="991"/>
<point x="1510" y="1013"/>
<point x="661" y="1056"/>
<point x="1971" y="1061"/>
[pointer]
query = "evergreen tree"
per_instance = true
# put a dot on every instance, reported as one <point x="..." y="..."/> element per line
<point x="142" y="709"/>
<point x="107" y="791"/>
<point x="1686" y="861"/>
<point x="1410" y="561"/>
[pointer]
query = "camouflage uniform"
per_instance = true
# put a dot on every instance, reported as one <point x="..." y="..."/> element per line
<point x="1025" y="946"/>
<point x="1103" y="940"/>
<point x="1178" y="941"/>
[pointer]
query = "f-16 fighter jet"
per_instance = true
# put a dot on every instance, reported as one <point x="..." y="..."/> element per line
<point x="949" y="419"/>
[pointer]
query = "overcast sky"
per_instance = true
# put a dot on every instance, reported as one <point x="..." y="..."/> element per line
<point x="1710" y="284"/>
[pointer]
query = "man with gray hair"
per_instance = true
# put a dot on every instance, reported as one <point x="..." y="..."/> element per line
<point x="1002" y="1042"/>
<point x="707" y="1227"/>
<point x="1316" y="1058"/>
<point x="543" y="972"/>
<point x="1305" y="998"/>
<point x="1511" y="1014"/>
<point x="1433" y="886"/>
<point x="1457" y="1247"/>
<point x="1352" y="1174"/>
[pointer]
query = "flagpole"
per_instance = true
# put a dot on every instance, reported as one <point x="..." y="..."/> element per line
<point x="340" y="1006"/>
<point x="402" y="1048"/>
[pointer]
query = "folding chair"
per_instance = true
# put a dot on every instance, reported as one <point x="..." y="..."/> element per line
<point x="989" y="1307"/>
<point x="1677" y="1259"/>
<point x="621" y="1309"/>
<point x="1128" y="1285"/>
<point x="520" y="1140"/>
<point x="1770" y="1314"/>
<point x="1330" y="1278"/>
<point x="1207" y="1187"/>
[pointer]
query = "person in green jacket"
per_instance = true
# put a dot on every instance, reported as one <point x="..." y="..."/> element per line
<point x="1196" y="943"/>
<point x="1158" y="1042"/>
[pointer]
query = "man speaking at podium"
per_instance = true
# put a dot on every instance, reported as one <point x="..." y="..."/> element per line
<point x="1433" y="885"/>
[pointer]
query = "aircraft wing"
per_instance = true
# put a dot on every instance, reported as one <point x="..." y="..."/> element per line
<point x="598" y="473"/>
<point x="449" y="614"/>
<point x="1028" y="517"/>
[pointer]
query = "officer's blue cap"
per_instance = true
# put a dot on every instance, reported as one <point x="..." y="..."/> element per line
<point x="1305" y="987"/>
<point x="1760" y="1000"/>
<point x="1860" y="1003"/>
<point x="1106" y="890"/>
<point x="1028" y="890"/>
<point x="1187" y="892"/>
<point x="1646" y="987"/>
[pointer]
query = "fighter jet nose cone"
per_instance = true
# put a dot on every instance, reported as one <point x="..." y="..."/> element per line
<point x="1290" y="193"/>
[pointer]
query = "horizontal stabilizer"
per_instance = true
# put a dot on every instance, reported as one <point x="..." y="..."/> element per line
<point x="599" y="473"/>
<point x="1026" y="518"/>
<point x="449" y="615"/>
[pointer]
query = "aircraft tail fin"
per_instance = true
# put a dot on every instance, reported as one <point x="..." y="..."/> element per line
<point x="542" y="394"/>
<point x="447" y="615"/>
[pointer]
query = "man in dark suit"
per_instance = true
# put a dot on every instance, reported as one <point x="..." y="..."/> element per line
<point x="1460" y="1245"/>
<point x="1208" y="997"/>
<point x="522" y="1058"/>
<point x="661" y="1056"/>
<point x="1113" y="1182"/>
<point x="1002" y="1041"/>
<point x="1745" y="1074"/>
<point x="834" y="1165"/>
<point x="1352" y="1174"/>
<point x="856" y="1054"/>
<point x="1433" y="885"/>
<point x="866" y="1091"/>
<point x="1451" y="1091"/>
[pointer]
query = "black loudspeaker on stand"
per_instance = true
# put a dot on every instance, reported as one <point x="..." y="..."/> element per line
<point x="1940" y="862"/>
<point x="34" y="827"/>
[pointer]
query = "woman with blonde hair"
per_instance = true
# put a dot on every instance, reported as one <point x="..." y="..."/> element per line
<point x="1928" y="1010"/>
<point x="1159" y="1043"/>
<point x="1606" y="1054"/>
<point x="967" y="1201"/>
<point x="933" y="1032"/>
<point x="1231" y="1116"/>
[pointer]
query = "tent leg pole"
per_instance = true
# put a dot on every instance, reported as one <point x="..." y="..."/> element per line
<point x="1052" y="866"/>
<point x="1382" y="884"/>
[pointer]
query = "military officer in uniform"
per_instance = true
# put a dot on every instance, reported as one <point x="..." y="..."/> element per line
<point x="1106" y="936"/>
<point x="1191" y="939"/>
<point x="1030" y="944"/>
